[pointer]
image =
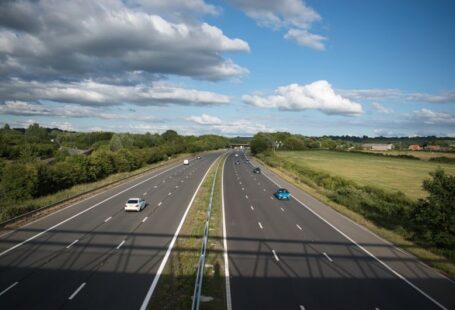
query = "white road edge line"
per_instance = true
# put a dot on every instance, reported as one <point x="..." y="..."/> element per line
<point x="328" y="257"/>
<point x="82" y="212"/>
<point x="276" y="256"/>
<point x="108" y="219"/>
<point x="260" y="225"/>
<point x="145" y="218"/>
<point x="72" y="243"/>
<point x="298" y="226"/>
<point x="8" y="288"/>
<point x="365" y="250"/>
<point x="120" y="245"/>
<point x="225" y="254"/>
<point x="149" y="294"/>
<point x="77" y="291"/>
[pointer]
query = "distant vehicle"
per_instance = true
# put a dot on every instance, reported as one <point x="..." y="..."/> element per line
<point x="257" y="170"/>
<point x="282" y="194"/>
<point x="186" y="162"/>
<point x="236" y="155"/>
<point x="237" y="162"/>
<point x="135" y="204"/>
<point x="199" y="157"/>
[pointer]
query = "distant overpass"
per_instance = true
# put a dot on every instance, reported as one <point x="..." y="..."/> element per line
<point x="243" y="145"/>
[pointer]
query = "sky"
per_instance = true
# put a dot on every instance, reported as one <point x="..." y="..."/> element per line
<point x="233" y="67"/>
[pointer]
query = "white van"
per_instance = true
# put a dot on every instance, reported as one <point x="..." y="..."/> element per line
<point x="186" y="162"/>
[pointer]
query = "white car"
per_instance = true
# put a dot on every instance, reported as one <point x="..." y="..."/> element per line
<point x="135" y="204"/>
<point x="186" y="162"/>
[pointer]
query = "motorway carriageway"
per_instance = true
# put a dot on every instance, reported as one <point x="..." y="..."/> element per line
<point x="94" y="255"/>
<point x="284" y="255"/>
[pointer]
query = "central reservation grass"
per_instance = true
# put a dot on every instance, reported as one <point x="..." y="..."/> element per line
<point x="392" y="174"/>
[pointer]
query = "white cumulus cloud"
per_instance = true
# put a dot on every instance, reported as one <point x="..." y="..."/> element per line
<point x="318" y="95"/>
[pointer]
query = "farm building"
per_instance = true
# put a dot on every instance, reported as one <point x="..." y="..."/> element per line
<point x="415" y="147"/>
<point x="377" y="147"/>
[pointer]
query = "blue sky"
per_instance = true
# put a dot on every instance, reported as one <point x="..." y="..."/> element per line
<point x="231" y="67"/>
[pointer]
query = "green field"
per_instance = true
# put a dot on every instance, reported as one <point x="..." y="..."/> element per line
<point x="424" y="155"/>
<point x="387" y="173"/>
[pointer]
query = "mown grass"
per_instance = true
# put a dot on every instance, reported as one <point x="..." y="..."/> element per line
<point x="388" y="173"/>
<point x="176" y="286"/>
<point x="10" y="211"/>
<point x="383" y="212"/>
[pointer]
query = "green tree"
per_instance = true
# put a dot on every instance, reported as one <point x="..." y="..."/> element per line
<point x="260" y="143"/>
<point x="433" y="218"/>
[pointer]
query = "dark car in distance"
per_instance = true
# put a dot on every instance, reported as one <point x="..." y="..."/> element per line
<point x="257" y="170"/>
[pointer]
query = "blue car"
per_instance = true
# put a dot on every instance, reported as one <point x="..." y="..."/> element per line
<point x="282" y="194"/>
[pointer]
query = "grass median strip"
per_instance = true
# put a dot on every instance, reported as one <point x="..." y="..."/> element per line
<point x="176" y="286"/>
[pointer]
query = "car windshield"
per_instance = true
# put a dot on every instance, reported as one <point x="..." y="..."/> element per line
<point x="133" y="201"/>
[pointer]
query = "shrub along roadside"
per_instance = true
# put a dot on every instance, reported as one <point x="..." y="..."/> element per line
<point x="176" y="286"/>
<point x="8" y="211"/>
<point x="390" y="210"/>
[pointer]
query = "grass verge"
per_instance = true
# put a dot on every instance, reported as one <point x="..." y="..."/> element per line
<point x="398" y="237"/>
<point x="65" y="196"/>
<point x="176" y="286"/>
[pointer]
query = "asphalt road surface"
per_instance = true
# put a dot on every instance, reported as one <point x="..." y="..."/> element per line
<point x="93" y="254"/>
<point x="284" y="255"/>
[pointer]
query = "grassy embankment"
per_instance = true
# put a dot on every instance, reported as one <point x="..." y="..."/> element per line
<point x="375" y="191"/>
<point x="176" y="286"/>
<point x="8" y="212"/>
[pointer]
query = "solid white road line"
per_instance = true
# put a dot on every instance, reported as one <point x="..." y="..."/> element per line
<point x="120" y="245"/>
<point x="149" y="294"/>
<point x="252" y="208"/>
<point x="82" y="212"/>
<point x="276" y="256"/>
<point x="145" y="218"/>
<point x="298" y="226"/>
<point x="77" y="291"/>
<point x="225" y="254"/>
<point x="8" y="288"/>
<point x="108" y="219"/>
<point x="72" y="243"/>
<point x="365" y="250"/>
<point x="260" y="225"/>
<point x="328" y="257"/>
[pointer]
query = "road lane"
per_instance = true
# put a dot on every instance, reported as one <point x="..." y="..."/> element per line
<point x="112" y="257"/>
<point x="282" y="266"/>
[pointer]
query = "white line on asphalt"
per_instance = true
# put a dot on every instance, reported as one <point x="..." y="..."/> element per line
<point x="282" y="209"/>
<point x="243" y="188"/>
<point x="164" y="181"/>
<point x="155" y="186"/>
<point x="72" y="243"/>
<point x="160" y="203"/>
<point x="246" y="196"/>
<point x="145" y="218"/>
<point x="302" y="307"/>
<point x="108" y="219"/>
<point x="276" y="256"/>
<point x="298" y="226"/>
<point x="77" y="291"/>
<point x="145" y="193"/>
<point x="225" y="254"/>
<point x="169" y="194"/>
<point x="260" y="225"/>
<point x="72" y="205"/>
<point x="264" y="189"/>
<point x="366" y="251"/>
<point x="252" y="208"/>
<point x="328" y="257"/>
<point x="176" y="186"/>
<point x="8" y="288"/>
<point x="120" y="245"/>
<point x="149" y="294"/>
<point x="82" y="212"/>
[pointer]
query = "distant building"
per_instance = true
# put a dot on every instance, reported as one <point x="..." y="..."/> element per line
<point x="415" y="147"/>
<point x="433" y="148"/>
<point x="377" y="147"/>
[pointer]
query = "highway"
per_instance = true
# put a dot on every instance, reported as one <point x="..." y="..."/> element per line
<point x="300" y="254"/>
<point x="93" y="254"/>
